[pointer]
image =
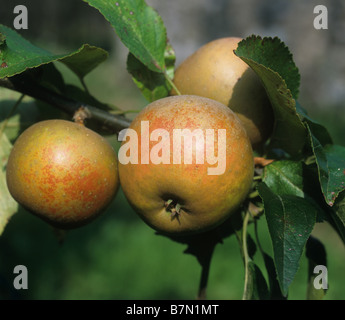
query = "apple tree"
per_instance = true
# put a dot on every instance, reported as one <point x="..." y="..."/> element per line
<point x="299" y="174"/>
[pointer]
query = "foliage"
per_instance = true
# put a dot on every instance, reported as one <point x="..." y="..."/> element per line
<point x="304" y="184"/>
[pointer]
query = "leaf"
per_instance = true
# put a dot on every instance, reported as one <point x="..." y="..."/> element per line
<point x="274" y="55"/>
<point x="338" y="215"/>
<point x="330" y="161"/>
<point x="318" y="130"/>
<point x="256" y="288"/>
<point x="274" y="288"/>
<point x="295" y="178"/>
<point x="85" y="60"/>
<point x="2" y="38"/>
<point x="273" y="63"/>
<point x="48" y="76"/>
<point x="5" y="150"/>
<point x="255" y="284"/>
<point x="290" y="220"/>
<point x="153" y="85"/>
<point x="316" y="254"/>
<point x="19" y="55"/>
<point x="77" y="94"/>
<point x="8" y="206"/>
<point x="285" y="177"/>
<point x="139" y="27"/>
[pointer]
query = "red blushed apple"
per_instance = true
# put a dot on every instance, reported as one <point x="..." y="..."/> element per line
<point x="62" y="172"/>
<point x="169" y="191"/>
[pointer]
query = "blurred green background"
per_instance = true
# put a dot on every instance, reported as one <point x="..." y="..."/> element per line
<point x="118" y="256"/>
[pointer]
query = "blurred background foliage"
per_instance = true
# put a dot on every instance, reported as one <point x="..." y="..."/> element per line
<point x="118" y="256"/>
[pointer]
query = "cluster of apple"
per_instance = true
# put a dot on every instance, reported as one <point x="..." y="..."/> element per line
<point x="67" y="174"/>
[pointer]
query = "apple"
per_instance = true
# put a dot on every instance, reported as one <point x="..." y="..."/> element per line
<point x="215" y="72"/>
<point x="185" y="164"/>
<point x="62" y="172"/>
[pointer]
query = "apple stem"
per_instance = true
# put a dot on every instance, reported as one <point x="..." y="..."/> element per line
<point x="246" y="256"/>
<point x="81" y="115"/>
<point x="172" y="83"/>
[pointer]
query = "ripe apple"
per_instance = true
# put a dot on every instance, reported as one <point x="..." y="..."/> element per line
<point x="171" y="195"/>
<point x="215" y="72"/>
<point x="62" y="172"/>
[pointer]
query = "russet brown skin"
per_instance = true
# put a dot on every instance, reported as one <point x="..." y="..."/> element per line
<point x="205" y="201"/>
<point x="215" y="72"/>
<point x="62" y="172"/>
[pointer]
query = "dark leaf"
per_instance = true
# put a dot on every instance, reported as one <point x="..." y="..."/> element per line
<point x="338" y="215"/>
<point x="8" y="206"/>
<point x="330" y="160"/>
<point x="290" y="220"/>
<point x="273" y="63"/>
<point x="19" y="55"/>
<point x="153" y="85"/>
<point x="139" y="27"/>
<point x="256" y="288"/>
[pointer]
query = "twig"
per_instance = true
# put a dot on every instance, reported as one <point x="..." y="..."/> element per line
<point x="26" y="85"/>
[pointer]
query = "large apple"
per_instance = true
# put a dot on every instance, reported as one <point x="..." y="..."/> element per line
<point x="185" y="185"/>
<point x="215" y="72"/>
<point x="62" y="172"/>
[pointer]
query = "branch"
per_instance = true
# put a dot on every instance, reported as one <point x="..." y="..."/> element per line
<point x="26" y="85"/>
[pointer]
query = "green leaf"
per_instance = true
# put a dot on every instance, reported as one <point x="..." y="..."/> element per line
<point x="153" y="85"/>
<point x="316" y="254"/>
<point x="49" y="77"/>
<point x="290" y="220"/>
<point x="15" y="121"/>
<point x="273" y="63"/>
<point x="318" y="130"/>
<point x="295" y="178"/>
<point x="285" y="177"/>
<point x="273" y="54"/>
<point x="139" y="27"/>
<point x="256" y="286"/>
<point x="274" y="288"/>
<point x="85" y="60"/>
<point x="5" y="150"/>
<point x="8" y="206"/>
<point x="330" y="160"/>
<point x="338" y="215"/>
<point x="19" y="55"/>
<point x="2" y="38"/>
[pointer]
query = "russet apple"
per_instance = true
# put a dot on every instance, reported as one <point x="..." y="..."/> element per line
<point x="171" y="193"/>
<point x="62" y="172"/>
<point x="215" y="72"/>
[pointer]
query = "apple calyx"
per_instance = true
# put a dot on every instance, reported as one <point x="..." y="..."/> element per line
<point x="173" y="207"/>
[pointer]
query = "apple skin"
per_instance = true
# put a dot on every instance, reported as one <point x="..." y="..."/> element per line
<point x="205" y="200"/>
<point x="215" y="72"/>
<point x="62" y="172"/>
